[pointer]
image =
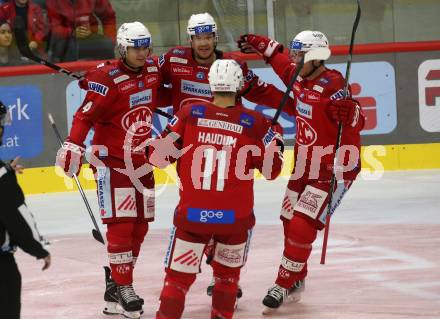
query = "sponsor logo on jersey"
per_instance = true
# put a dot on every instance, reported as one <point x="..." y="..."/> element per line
<point x="249" y="76"/>
<point x="195" y="88"/>
<point x="150" y="79"/>
<point x="125" y="202"/>
<point x="304" y="109"/>
<point x="296" y="87"/>
<point x="269" y="136"/>
<point x="121" y="78"/>
<point x="114" y="72"/>
<point x="305" y="135"/>
<point x="178" y="60"/>
<point x="318" y="88"/>
<point x="143" y="97"/>
<point x="161" y="60"/>
<point x="150" y="61"/>
<point x="217" y="124"/>
<point x="173" y="121"/>
<point x="152" y="69"/>
<point x="141" y="84"/>
<point x="324" y="81"/>
<point x="247" y="120"/>
<point x="127" y="86"/>
<point x="200" y="75"/>
<point x="178" y="51"/>
<point x="222" y="114"/>
<point x="198" y="111"/>
<point x="100" y="65"/>
<point x="103" y="190"/>
<point x="338" y="95"/>
<point x="138" y="121"/>
<point x="181" y="69"/>
<point x="312" y="96"/>
<point x="217" y="139"/>
<point x="210" y="216"/>
<point x="98" y="88"/>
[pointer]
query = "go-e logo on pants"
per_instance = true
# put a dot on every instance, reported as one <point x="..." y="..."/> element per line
<point x="211" y="216"/>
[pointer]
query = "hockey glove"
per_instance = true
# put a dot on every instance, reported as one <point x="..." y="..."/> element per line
<point x="346" y="111"/>
<point x="250" y="43"/>
<point x="69" y="158"/>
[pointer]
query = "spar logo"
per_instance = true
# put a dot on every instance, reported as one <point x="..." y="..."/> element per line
<point x="138" y="121"/>
<point x="429" y="95"/>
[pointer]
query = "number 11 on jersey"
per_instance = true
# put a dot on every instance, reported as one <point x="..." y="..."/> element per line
<point x="220" y="165"/>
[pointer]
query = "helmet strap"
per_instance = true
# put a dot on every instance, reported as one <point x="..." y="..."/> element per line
<point x="321" y="62"/>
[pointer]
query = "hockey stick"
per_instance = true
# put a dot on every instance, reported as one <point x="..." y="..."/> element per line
<point x="95" y="232"/>
<point x="22" y="44"/>
<point x="288" y="89"/>
<point x="339" y="136"/>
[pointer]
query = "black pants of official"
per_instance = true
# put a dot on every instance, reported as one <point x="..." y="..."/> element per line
<point x="10" y="287"/>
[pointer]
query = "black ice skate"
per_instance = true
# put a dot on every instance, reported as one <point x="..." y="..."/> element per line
<point x="275" y="298"/>
<point x="111" y="296"/>
<point x="211" y="287"/>
<point x="129" y="304"/>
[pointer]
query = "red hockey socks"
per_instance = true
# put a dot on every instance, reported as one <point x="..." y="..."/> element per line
<point x="224" y="294"/>
<point x="172" y="298"/>
<point x="298" y="246"/>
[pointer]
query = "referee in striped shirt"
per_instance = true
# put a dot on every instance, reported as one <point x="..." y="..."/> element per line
<point x="17" y="229"/>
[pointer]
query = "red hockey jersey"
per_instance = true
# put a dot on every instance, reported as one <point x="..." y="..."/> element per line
<point x="314" y="129"/>
<point x="119" y="106"/>
<point x="189" y="80"/>
<point x="222" y="147"/>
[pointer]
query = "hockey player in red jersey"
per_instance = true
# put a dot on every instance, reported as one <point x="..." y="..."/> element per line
<point x="221" y="144"/>
<point x="121" y="97"/>
<point x="186" y="68"/>
<point x="320" y="106"/>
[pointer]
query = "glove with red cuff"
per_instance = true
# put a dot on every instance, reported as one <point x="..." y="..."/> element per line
<point x="69" y="158"/>
<point x="346" y="111"/>
<point x="254" y="43"/>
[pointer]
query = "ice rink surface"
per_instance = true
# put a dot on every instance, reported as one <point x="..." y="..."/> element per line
<point x="383" y="259"/>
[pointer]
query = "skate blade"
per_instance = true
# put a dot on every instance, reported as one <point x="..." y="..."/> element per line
<point x="268" y="311"/>
<point x="111" y="308"/>
<point x="129" y="314"/>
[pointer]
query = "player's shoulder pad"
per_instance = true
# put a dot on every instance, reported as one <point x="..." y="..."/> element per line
<point x="251" y="118"/>
<point x="180" y="54"/>
<point x="99" y="78"/>
<point x="330" y="83"/>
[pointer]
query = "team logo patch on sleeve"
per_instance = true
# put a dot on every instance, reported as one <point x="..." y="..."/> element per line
<point x="338" y="95"/>
<point x="249" y="76"/>
<point x="269" y="137"/>
<point x="99" y="88"/>
<point x="173" y="121"/>
<point x="198" y="111"/>
<point x="247" y="120"/>
<point x="161" y="60"/>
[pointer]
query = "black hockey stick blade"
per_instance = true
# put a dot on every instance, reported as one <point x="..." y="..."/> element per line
<point x="98" y="236"/>
<point x="288" y="89"/>
<point x="23" y="47"/>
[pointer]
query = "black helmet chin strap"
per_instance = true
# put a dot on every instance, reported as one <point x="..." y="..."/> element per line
<point x="321" y="62"/>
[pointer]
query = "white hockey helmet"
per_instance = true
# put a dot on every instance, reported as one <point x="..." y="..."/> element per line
<point x="225" y="76"/>
<point x="313" y="43"/>
<point x="201" y="23"/>
<point x="132" y="34"/>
